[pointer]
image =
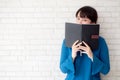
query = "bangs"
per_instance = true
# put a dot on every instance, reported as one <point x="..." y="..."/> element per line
<point x="83" y="15"/>
<point x="87" y="12"/>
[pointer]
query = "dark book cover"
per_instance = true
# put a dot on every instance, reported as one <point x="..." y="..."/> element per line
<point x="82" y="32"/>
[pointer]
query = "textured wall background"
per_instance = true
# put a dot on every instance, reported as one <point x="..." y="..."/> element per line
<point x="31" y="33"/>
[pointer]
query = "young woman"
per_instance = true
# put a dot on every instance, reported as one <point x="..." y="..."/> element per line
<point x="92" y="62"/>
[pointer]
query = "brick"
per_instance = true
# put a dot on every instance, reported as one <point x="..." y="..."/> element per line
<point x="32" y="31"/>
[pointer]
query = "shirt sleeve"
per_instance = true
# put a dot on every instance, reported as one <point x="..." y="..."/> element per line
<point x="66" y="63"/>
<point x="102" y="63"/>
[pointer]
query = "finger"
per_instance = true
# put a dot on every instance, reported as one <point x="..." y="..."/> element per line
<point x="82" y="48"/>
<point x="85" y="44"/>
<point x="78" y="44"/>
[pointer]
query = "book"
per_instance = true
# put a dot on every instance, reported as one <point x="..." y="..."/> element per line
<point x="89" y="33"/>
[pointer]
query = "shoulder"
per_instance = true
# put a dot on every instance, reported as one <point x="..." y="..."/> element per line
<point x="64" y="44"/>
<point x="101" y="39"/>
<point x="102" y="42"/>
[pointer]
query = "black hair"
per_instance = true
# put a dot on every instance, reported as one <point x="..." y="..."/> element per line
<point x="89" y="12"/>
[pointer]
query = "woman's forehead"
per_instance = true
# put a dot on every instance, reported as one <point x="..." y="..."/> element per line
<point x="82" y="15"/>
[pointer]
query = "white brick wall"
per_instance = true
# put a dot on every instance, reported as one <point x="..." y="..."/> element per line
<point x="31" y="33"/>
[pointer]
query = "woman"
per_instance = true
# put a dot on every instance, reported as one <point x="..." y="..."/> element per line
<point x="92" y="62"/>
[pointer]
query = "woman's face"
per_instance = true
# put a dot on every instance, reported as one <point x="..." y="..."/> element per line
<point x="85" y="20"/>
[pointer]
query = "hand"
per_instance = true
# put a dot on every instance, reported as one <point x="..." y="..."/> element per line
<point x="75" y="48"/>
<point x="87" y="49"/>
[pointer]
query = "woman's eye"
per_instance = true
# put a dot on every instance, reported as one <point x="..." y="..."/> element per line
<point x="85" y="20"/>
